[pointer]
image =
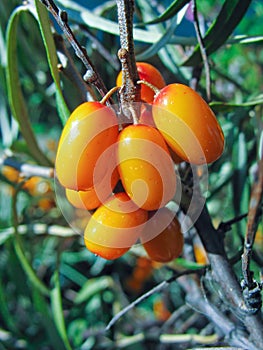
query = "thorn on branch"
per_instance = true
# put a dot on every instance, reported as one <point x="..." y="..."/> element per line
<point x="227" y="225"/>
<point x="252" y="296"/>
<point x="89" y="77"/>
<point x="63" y="16"/>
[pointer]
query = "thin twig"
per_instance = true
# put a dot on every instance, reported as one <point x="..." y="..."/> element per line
<point x="39" y="230"/>
<point x="18" y="246"/>
<point x="161" y="286"/>
<point x="226" y="225"/>
<point x="68" y="68"/>
<point x="91" y="76"/>
<point x="27" y="170"/>
<point x="202" y="50"/>
<point x="225" y="325"/>
<point x="110" y="59"/>
<point x="254" y="214"/>
<point x="224" y="276"/>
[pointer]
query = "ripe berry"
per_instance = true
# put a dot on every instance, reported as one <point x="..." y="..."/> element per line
<point x="188" y="124"/>
<point x="95" y="196"/>
<point x="145" y="166"/>
<point x="167" y="244"/>
<point x="114" y="227"/>
<point x="91" y="129"/>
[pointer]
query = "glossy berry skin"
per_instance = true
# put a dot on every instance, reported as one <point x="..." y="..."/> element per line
<point x="188" y="124"/>
<point x="114" y="227"/>
<point x="10" y="173"/>
<point x="145" y="166"/>
<point x="89" y="131"/>
<point x="146" y="118"/>
<point x="168" y="244"/>
<point x="150" y="74"/>
<point x="95" y="196"/>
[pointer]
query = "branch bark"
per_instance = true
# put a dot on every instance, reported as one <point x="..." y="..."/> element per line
<point x="130" y="90"/>
<point x="224" y="276"/>
<point x="91" y="76"/>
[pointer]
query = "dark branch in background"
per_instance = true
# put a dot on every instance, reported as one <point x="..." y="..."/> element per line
<point x="252" y="290"/>
<point x="254" y="215"/>
<point x="130" y="91"/>
<point x="91" y="76"/>
<point x="196" y="76"/>
<point x="109" y="58"/>
<point x="227" y="327"/>
<point x="202" y="50"/>
<point x="69" y="69"/>
<point x="223" y="274"/>
<point x="26" y="169"/>
<point x="160" y="287"/>
<point x="227" y="225"/>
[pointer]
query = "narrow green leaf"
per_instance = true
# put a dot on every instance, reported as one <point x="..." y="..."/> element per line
<point x="153" y="49"/>
<point x="92" y="287"/>
<point x="240" y="172"/>
<point x="81" y="15"/>
<point x="245" y="39"/>
<point x="15" y="95"/>
<point x="4" y="236"/>
<point x="5" y="313"/>
<point x="41" y="305"/>
<point x="169" y="54"/>
<point x="57" y="310"/>
<point x="36" y="282"/>
<point x="218" y="106"/>
<point x="171" y="11"/>
<point x="72" y="274"/>
<point x="169" y="57"/>
<point x="186" y="264"/>
<point x="44" y="25"/>
<point x="229" y="17"/>
<point x="33" y="278"/>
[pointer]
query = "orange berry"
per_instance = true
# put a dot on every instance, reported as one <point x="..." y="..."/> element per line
<point x="145" y="166"/>
<point x="91" y="129"/>
<point x="114" y="227"/>
<point x="167" y="244"/>
<point x="10" y="173"/>
<point x="188" y="124"/>
<point x="95" y="196"/>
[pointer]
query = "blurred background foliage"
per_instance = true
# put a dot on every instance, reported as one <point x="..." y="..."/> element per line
<point x="54" y="294"/>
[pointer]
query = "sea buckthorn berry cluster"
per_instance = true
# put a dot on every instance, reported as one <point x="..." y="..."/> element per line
<point x="124" y="176"/>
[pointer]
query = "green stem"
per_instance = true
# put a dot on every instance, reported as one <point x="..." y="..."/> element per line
<point x="19" y="250"/>
<point x="15" y="94"/>
<point x="57" y="308"/>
